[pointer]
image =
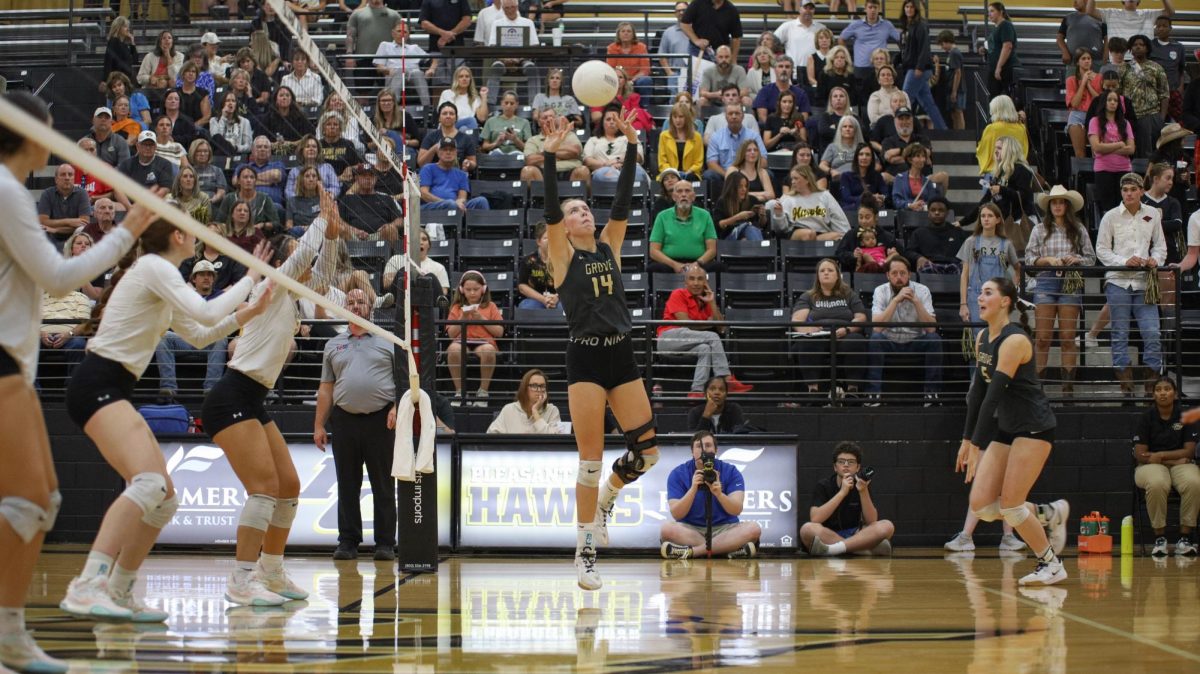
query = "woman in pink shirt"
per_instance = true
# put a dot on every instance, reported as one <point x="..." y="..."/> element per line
<point x="1111" y="138"/>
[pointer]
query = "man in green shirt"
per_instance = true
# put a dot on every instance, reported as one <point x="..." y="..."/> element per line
<point x="683" y="235"/>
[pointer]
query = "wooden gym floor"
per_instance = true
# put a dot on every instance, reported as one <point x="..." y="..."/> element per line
<point x="915" y="612"/>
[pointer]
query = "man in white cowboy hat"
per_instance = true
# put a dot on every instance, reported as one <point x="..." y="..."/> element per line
<point x="1131" y="237"/>
<point x="1053" y="244"/>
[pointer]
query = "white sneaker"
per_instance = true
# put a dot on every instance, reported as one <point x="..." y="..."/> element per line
<point x="1185" y="546"/>
<point x="1046" y="573"/>
<point x="1160" y="547"/>
<point x="481" y="399"/>
<point x="882" y="548"/>
<point x="89" y="598"/>
<point x="19" y="651"/>
<point x="1011" y="543"/>
<point x="1056" y="525"/>
<point x="601" y="521"/>
<point x="250" y="591"/>
<point x="141" y="612"/>
<point x="960" y="543"/>
<point x="585" y="568"/>
<point x="280" y="583"/>
<point x="1091" y="342"/>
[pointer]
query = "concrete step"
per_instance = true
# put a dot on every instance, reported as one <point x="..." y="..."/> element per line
<point x="955" y="146"/>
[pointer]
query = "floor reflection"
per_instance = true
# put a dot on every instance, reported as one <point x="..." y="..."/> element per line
<point x="899" y="614"/>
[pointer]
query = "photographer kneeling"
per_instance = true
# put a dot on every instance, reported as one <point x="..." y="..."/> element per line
<point x="706" y="491"/>
<point x="842" y="517"/>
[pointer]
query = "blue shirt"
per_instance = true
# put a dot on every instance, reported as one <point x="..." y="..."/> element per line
<point x="444" y="183"/>
<point x="768" y="97"/>
<point x="274" y="191"/>
<point x="724" y="145"/>
<point x="680" y="481"/>
<point x="868" y="38"/>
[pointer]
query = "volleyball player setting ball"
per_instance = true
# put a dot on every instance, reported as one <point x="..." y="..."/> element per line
<point x="29" y="265"/>
<point x="236" y="419"/>
<point x="1006" y="405"/>
<point x="601" y="369"/>
<point x="138" y="306"/>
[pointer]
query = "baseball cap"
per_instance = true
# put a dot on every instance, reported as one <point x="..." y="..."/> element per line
<point x="807" y="3"/>
<point x="147" y="135"/>
<point x="102" y="110"/>
<point x="903" y="111"/>
<point x="203" y="266"/>
<point x="447" y="142"/>
<point x="210" y="38"/>
<point x="364" y="168"/>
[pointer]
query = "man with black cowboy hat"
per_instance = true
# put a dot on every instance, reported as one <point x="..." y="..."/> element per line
<point x="369" y="215"/>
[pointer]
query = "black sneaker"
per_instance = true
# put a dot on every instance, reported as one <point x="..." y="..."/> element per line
<point x="346" y="551"/>
<point x="384" y="554"/>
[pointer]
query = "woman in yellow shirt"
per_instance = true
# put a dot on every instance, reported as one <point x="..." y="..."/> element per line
<point x="1005" y="122"/>
<point x="680" y="146"/>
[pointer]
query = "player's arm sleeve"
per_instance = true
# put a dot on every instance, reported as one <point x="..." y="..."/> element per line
<point x="985" y="428"/>
<point x="553" y="212"/>
<point x="624" y="191"/>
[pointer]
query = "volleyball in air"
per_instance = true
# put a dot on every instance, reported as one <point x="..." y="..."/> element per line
<point x="594" y="84"/>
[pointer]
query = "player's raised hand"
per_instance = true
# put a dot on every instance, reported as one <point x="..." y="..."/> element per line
<point x="625" y="125"/>
<point x="556" y="135"/>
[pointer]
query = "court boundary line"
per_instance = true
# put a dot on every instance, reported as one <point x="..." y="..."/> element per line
<point x="1146" y="641"/>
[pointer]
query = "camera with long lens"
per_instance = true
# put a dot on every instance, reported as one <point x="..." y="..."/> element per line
<point x="709" y="471"/>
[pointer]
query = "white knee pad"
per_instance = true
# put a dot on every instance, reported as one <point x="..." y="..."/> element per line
<point x="147" y="490"/>
<point x="589" y="473"/>
<point x="161" y="516"/>
<point x="1015" y="515"/>
<point x="24" y="516"/>
<point x="989" y="513"/>
<point x="285" y="513"/>
<point x="648" y="461"/>
<point x="52" y="510"/>
<point x="257" y="512"/>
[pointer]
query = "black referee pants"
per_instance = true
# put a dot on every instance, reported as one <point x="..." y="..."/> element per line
<point x="364" y="439"/>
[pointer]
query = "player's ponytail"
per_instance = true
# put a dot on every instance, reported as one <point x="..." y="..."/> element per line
<point x="89" y="326"/>
<point x="1008" y="289"/>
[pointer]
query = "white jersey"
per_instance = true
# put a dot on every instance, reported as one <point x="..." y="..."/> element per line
<point x="153" y="297"/>
<point x="30" y="264"/>
<point x="266" y="339"/>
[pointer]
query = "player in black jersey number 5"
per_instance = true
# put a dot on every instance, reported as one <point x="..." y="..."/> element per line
<point x="1006" y="405"/>
<point x="600" y="365"/>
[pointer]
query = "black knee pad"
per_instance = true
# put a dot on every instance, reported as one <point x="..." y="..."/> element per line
<point x="633" y="464"/>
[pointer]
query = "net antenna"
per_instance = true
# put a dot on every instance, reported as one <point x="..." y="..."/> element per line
<point x="46" y="136"/>
<point x="411" y="215"/>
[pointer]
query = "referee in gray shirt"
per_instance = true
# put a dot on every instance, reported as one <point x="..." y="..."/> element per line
<point x="357" y="397"/>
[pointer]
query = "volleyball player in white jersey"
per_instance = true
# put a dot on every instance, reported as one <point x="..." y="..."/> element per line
<point x="29" y="265"/>
<point x="236" y="420"/>
<point x="139" y="305"/>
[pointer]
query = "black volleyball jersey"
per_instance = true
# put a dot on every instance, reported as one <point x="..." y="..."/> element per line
<point x="593" y="296"/>
<point x="1024" y="406"/>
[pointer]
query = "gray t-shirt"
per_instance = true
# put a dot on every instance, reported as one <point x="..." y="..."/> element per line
<point x="831" y="308"/>
<point x="714" y="80"/>
<point x="361" y="369"/>
<point x="990" y="247"/>
<point x="1083" y="31"/>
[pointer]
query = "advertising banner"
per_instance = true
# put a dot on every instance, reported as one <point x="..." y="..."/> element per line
<point x="211" y="497"/>
<point x="526" y="497"/>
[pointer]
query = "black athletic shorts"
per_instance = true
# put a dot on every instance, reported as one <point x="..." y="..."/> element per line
<point x="97" y="383"/>
<point x="1006" y="437"/>
<point x="606" y="361"/>
<point x="8" y="364"/>
<point x="235" y="398"/>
